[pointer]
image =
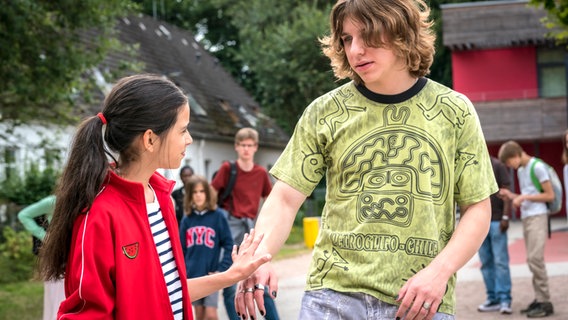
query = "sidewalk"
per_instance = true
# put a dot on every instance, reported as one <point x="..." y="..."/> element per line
<point x="470" y="289"/>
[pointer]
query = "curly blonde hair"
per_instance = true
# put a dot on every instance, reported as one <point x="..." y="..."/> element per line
<point x="402" y="25"/>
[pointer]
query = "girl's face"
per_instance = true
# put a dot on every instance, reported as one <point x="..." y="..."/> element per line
<point x="199" y="196"/>
<point x="176" y="141"/>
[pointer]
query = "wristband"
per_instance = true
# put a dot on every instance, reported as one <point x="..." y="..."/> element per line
<point x="506" y="218"/>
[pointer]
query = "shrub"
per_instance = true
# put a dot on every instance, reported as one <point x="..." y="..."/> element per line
<point x="16" y="192"/>
<point x="35" y="185"/>
<point x="17" y="262"/>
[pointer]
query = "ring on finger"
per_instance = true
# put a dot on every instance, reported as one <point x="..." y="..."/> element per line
<point x="249" y="290"/>
<point x="259" y="286"/>
<point x="426" y="305"/>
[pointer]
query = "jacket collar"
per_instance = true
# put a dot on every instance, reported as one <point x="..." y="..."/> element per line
<point x="134" y="191"/>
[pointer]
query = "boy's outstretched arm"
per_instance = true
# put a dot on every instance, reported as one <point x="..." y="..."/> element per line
<point x="275" y="222"/>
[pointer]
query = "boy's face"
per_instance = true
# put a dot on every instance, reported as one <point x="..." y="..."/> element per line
<point x="246" y="149"/>
<point x="377" y="67"/>
<point x="185" y="175"/>
<point x="514" y="162"/>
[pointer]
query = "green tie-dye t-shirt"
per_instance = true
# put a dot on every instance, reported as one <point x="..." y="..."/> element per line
<point x="395" y="166"/>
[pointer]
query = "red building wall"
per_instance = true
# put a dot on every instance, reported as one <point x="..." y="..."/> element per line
<point x="496" y="74"/>
<point x="502" y="74"/>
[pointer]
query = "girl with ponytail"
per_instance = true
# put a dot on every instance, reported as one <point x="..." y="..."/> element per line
<point x="114" y="235"/>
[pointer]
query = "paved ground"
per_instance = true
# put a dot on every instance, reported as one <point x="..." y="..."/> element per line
<point x="470" y="288"/>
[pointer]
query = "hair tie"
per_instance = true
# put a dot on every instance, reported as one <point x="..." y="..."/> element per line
<point x="102" y="117"/>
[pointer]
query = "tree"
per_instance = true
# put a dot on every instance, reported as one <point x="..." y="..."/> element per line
<point x="45" y="52"/>
<point x="285" y="68"/>
<point x="441" y="69"/>
<point x="557" y="17"/>
<point x="208" y="20"/>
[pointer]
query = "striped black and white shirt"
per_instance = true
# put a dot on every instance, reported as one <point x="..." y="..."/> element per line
<point x="164" y="247"/>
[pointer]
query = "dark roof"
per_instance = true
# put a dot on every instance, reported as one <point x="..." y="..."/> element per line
<point x="223" y="105"/>
<point x="492" y="24"/>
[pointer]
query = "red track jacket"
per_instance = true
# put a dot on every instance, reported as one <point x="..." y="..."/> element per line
<point x="113" y="270"/>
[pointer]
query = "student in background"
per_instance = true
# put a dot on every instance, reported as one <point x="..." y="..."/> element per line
<point x="494" y="251"/>
<point x="53" y="292"/>
<point x="252" y="185"/>
<point x="534" y="216"/>
<point x="184" y="173"/>
<point x="204" y="232"/>
<point x="565" y="161"/>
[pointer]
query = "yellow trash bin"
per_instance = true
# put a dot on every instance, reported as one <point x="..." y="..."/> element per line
<point x="311" y="229"/>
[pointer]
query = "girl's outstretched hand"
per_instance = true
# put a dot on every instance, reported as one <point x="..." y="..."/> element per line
<point x="244" y="260"/>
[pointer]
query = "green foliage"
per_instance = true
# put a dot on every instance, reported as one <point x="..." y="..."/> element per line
<point x="557" y="18"/>
<point x="291" y="70"/>
<point x="17" y="262"/>
<point x="35" y="185"/>
<point x="45" y="52"/>
<point x="441" y="69"/>
<point x="207" y="19"/>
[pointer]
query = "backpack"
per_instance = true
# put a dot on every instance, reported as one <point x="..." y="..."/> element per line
<point x="555" y="205"/>
<point x="232" y="178"/>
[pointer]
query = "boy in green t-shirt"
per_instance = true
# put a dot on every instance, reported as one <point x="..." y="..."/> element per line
<point x="398" y="152"/>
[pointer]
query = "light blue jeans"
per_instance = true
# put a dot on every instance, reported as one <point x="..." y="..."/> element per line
<point x="327" y="304"/>
<point x="494" y="257"/>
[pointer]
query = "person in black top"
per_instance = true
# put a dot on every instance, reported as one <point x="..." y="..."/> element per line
<point x="493" y="252"/>
<point x="184" y="173"/>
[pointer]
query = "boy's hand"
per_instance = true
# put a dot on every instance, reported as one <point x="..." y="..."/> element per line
<point x="251" y="291"/>
<point x="244" y="261"/>
<point x="506" y="194"/>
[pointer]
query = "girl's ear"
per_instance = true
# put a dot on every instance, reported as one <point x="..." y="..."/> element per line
<point x="149" y="139"/>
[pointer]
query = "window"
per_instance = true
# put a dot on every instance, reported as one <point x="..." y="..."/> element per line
<point x="9" y="161"/>
<point x="207" y="164"/>
<point x="551" y="72"/>
<point x="195" y="107"/>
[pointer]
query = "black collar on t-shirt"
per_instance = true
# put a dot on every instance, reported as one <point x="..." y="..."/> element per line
<point x="395" y="98"/>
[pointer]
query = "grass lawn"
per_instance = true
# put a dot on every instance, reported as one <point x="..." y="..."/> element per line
<point x="21" y="300"/>
<point x="24" y="300"/>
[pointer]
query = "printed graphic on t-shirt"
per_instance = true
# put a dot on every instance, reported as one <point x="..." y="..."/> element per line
<point x="394" y="172"/>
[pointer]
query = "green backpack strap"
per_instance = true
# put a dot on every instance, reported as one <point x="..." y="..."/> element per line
<point x="534" y="180"/>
